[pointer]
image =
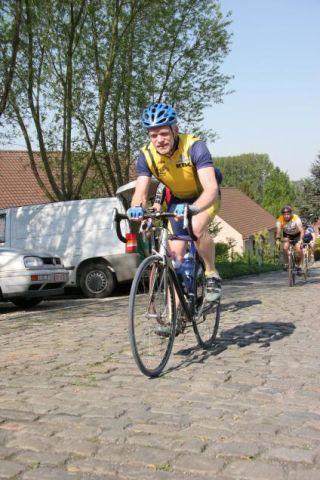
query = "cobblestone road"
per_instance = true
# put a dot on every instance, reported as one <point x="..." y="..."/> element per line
<point x="74" y="406"/>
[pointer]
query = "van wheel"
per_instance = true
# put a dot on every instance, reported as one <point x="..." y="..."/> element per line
<point x="96" y="280"/>
<point x="26" y="302"/>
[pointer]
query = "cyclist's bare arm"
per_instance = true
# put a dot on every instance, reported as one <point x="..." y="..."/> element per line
<point x="209" y="184"/>
<point x="279" y="228"/>
<point x="159" y="197"/>
<point x="140" y="195"/>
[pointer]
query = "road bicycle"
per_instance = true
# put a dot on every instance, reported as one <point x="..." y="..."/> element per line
<point x="159" y="295"/>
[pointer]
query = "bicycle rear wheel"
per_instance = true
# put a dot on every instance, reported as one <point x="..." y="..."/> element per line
<point x="205" y="326"/>
<point x="152" y="316"/>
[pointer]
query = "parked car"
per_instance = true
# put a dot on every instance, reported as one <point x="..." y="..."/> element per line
<point x="27" y="277"/>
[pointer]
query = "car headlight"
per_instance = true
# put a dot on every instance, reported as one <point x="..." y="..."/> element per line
<point x="31" y="262"/>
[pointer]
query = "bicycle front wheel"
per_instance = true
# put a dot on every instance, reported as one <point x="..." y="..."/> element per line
<point x="205" y="326"/>
<point x="152" y="316"/>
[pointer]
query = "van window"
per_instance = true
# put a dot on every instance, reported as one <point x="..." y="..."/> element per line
<point x="2" y="227"/>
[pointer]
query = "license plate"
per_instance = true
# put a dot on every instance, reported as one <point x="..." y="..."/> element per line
<point x="60" y="277"/>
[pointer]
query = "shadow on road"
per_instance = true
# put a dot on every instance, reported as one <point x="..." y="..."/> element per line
<point x="256" y="332"/>
<point x="235" y="306"/>
<point x="262" y="333"/>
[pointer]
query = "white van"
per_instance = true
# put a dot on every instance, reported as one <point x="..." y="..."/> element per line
<point x="81" y="233"/>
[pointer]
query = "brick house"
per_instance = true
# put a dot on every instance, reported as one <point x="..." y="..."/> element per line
<point x="18" y="185"/>
<point x="240" y="218"/>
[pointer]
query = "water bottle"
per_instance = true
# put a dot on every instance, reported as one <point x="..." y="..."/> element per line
<point x="187" y="267"/>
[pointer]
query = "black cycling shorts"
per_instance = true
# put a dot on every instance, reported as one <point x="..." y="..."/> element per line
<point x="293" y="238"/>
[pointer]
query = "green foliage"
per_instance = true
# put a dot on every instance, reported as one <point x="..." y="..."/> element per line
<point x="214" y="227"/>
<point x="256" y="176"/>
<point x="243" y="267"/>
<point x="265" y="259"/>
<point x="310" y="198"/>
<point x="85" y="71"/>
<point x="317" y="249"/>
<point x="278" y="191"/>
<point x="248" y="172"/>
<point x="222" y="252"/>
<point x="10" y="23"/>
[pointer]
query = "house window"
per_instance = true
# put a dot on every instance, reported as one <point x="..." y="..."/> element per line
<point x="2" y="227"/>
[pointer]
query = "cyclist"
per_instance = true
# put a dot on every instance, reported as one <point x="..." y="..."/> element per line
<point x="309" y="234"/>
<point x="183" y="163"/>
<point x="289" y="224"/>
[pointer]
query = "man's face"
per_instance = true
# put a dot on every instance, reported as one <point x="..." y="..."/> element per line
<point x="287" y="215"/>
<point x="162" y="138"/>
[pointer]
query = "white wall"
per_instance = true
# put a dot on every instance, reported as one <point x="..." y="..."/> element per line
<point x="228" y="232"/>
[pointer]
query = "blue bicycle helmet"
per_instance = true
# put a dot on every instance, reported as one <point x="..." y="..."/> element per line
<point x="158" y="115"/>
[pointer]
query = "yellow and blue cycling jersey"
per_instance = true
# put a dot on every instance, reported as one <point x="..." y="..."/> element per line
<point x="292" y="227"/>
<point x="179" y="172"/>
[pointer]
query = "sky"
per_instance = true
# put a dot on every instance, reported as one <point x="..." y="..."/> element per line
<point x="275" y="106"/>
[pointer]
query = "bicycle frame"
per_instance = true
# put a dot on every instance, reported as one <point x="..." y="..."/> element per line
<point x="188" y="307"/>
<point x="164" y="255"/>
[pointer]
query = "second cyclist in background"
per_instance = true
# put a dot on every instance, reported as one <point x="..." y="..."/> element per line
<point x="309" y="236"/>
<point x="289" y="227"/>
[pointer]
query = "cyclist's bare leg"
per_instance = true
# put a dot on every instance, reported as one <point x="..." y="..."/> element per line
<point x="299" y="254"/>
<point x="285" y="251"/>
<point x="177" y="249"/>
<point x="205" y="247"/>
<point x="204" y="244"/>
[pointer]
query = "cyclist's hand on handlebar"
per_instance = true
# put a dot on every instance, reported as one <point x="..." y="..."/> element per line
<point x="135" y="213"/>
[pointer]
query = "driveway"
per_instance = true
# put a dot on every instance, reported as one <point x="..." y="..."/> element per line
<point x="74" y="406"/>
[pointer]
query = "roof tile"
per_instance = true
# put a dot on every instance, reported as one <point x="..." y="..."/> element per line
<point x="243" y="214"/>
<point x="18" y="185"/>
